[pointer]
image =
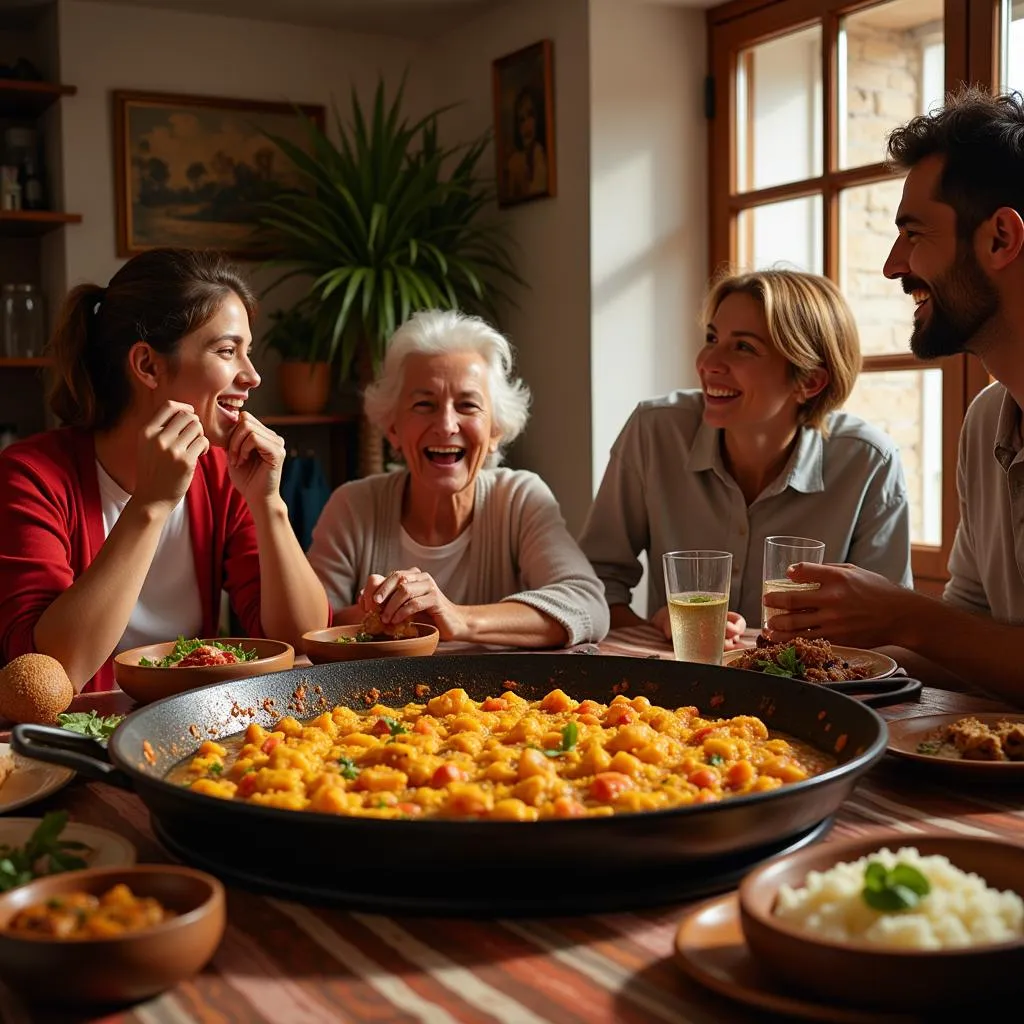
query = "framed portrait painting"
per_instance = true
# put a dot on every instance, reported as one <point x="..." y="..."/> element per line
<point x="524" y="124"/>
<point x="191" y="171"/>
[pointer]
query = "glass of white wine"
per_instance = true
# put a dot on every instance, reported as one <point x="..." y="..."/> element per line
<point x="779" y="554"/>
<point x="697" y="587"/>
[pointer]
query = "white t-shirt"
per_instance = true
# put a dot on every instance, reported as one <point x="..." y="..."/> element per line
<point x="443" y="562"/>
<point x="169" y="605"/>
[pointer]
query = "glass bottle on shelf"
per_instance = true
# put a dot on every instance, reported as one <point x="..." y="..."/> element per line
<point x="24" y="329"/>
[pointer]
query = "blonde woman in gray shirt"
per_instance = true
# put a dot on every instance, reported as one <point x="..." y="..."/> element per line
<point x="760" y="449"/>
<point x="480" y="550"/>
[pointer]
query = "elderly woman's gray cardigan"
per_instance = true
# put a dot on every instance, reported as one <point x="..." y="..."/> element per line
<point x="520" y="548"/>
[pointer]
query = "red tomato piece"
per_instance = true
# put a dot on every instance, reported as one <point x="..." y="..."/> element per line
<point x="381" y="728"/>
<point x="447" y="773"/>
<point x="247" y="785"/>
<point x="494" y="704"/>
<point x="703" y="778"/>
<point x="269" y="743"/>
<point x="609" y="785"/>
<point x="619" y="714"/>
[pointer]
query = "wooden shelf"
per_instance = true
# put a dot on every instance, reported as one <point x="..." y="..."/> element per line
<point x="23" y="99"/>
<point x="290" y="420"/>
<point x="32" y="223"/>
<point x="24" y="364"/>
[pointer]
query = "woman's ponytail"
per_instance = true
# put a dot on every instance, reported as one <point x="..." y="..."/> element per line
<point x="72" y="396"/>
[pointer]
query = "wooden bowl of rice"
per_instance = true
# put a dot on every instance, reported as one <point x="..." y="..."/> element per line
<point x="805" y="919"/>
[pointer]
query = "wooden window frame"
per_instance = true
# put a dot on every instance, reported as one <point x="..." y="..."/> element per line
<point x="971" y="43"/>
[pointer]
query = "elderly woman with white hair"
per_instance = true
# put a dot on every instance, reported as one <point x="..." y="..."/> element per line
<point x="481" y="551"/>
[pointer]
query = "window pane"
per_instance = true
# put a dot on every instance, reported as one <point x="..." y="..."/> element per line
<point x="1013" y="45"/>
<point x="891" y="61"/>
<point x="787" y="233"/>
<point x="884" y="314"/>
<point x="778" y="111"/>
<point x="907" y="405"/>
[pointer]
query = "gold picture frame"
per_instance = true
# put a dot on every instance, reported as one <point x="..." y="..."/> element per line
<point x="192" y="170"/>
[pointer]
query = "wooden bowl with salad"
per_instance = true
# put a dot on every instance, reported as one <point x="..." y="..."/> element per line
<point x="156" y="671"/>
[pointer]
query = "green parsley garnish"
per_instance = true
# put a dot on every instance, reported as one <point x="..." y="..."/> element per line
<point x="787" y="664"/>
<point x="570" y="734"/>
<point x="43" y="854"/>
<point x="929" y="747"/>
<point x="716" y="759"/>
<point x="394" y="725"/>
<point x="88" y="723"/>
<point x="216" y="768"/>
<point x="893" y="889"/>
<point x="348" y="768"/>
<point x="183" y="648"/>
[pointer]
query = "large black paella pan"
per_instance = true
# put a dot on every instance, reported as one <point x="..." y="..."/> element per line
<point x="442" y="865"/>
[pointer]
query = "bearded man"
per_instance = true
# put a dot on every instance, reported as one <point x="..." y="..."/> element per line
<point x="960" y="253"/>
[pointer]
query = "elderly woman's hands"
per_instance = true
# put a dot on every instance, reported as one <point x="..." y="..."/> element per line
<point x="409" y="594"/>
<point x="735" y="624"/>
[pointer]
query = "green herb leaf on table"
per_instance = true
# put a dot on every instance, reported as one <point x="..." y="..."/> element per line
<point x="89" y="723"/>
<point x="891" y="890"/>
<point x="44" y="853"/>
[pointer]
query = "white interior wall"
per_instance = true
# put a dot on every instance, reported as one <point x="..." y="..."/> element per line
<point x="551" y="326"/>
<point x="648" y="234"/>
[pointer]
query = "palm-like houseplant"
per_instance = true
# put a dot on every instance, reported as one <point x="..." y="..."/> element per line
<point x="392" y="224"/>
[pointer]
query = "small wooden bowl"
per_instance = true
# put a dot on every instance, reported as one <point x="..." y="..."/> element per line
<point x="867" y="975"/>
<point x="121" y="969"/>
<point x="322" y="645"/>
<point x="145" y="685"/>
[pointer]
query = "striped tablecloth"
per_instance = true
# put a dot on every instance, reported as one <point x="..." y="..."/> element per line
<point x="287" y="963"/>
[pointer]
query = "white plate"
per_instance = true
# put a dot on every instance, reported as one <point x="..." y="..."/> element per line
<point x="30" y="781"/>
<point x="108" y="850"/>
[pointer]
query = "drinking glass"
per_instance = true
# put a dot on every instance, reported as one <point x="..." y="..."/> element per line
<point x="697" y="587"/>
<point x="779" y="554"/>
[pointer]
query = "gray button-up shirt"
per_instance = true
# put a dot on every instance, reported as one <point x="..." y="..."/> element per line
<point x="666" y="488"/>
<point x="986" y="565"/>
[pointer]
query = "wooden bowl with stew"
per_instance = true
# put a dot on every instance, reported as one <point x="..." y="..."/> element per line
<point x="139" y="672"/>
<point x="117" y="955"/>
<point x="345" y="643"/>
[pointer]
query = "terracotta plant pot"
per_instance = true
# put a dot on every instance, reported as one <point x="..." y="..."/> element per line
<point x="305" y="387"/>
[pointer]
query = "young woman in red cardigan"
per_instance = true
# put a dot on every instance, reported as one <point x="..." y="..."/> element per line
<point x="98" y="550"/>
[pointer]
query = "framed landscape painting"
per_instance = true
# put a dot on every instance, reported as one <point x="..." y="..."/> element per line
<point x="192" y="170"/>
<point x="524" y="124"/>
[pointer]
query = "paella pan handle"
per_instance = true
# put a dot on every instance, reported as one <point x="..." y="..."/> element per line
<point x="880" y="693"/>
<point x="68" y="749"/>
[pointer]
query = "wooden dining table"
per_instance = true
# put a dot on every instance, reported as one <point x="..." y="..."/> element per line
<point x="283" y="962"/>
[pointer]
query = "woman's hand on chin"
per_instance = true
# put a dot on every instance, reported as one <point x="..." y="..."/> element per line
<point x="407" y="595"/>
<point x="169" y="448"/>
<point x="255" y="459"/>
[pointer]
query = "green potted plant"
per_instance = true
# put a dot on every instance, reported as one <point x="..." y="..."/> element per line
<point x="392" y="224"/>
<point x="304" y="374"/>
